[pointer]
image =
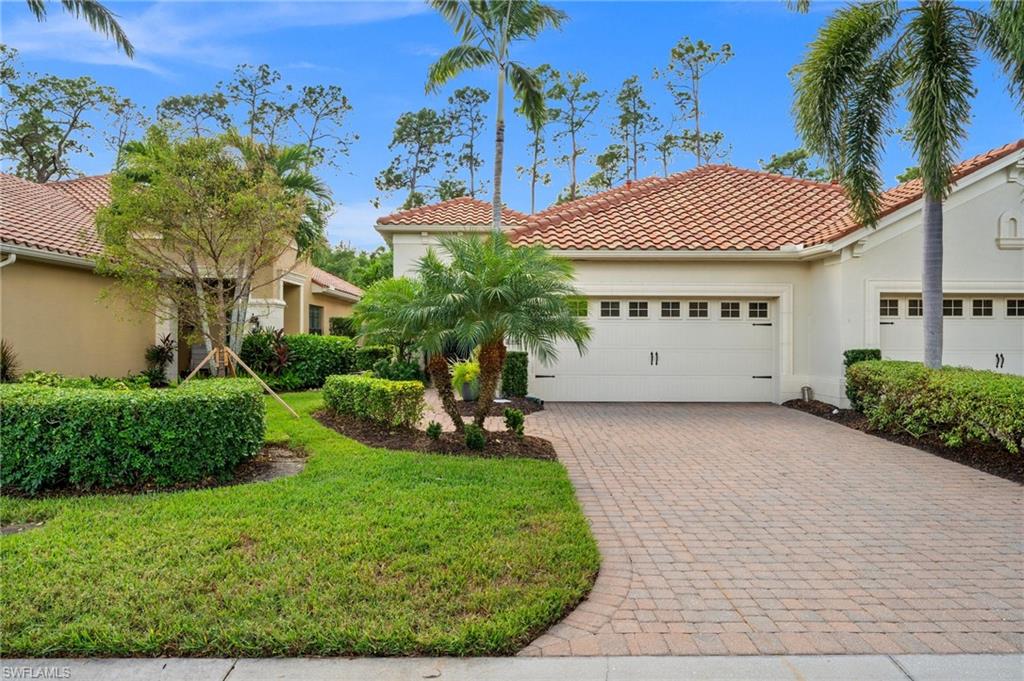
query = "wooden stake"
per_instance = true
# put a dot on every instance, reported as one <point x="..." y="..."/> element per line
<point x="228" y="357"/>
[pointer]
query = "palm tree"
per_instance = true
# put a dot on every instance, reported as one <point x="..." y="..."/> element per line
<point x="864" y="59"/>
<point x="99" y="17"/>
<point x="492" y="293"/>
<point x="487" y="30"/>
<point x="377" y="316"/>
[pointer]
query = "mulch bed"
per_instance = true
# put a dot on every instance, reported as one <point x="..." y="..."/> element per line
<point x="498" y="408"/>
<point x="989" y="458"/>
<point x="500" y="445"/>
<point x="272" y="462"/>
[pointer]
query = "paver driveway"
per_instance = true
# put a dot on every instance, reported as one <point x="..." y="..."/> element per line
<point x="732" y="529"/>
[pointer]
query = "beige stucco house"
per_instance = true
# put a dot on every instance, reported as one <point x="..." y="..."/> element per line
<point x="725" y="284"/>
<point x="60" y="315"/>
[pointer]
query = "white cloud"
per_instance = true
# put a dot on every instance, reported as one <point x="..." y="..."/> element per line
<point x="206" y="34"/>
<point x="353" y="224"/>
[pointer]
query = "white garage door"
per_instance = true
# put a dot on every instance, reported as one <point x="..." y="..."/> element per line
<point x="667" y="350"/>
<point x="982" y="331"/>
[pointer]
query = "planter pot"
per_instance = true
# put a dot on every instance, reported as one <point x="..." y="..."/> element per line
<point x="471" y="391"/>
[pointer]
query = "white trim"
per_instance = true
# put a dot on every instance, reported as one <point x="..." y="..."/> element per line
<point x="874" y="288"/>
<point x="652" y="254"/>
<point x="49" y="256"/>
<point x="333" y="292"/>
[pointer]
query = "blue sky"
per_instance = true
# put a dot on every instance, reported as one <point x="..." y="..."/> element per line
<point x="379" y="53"/>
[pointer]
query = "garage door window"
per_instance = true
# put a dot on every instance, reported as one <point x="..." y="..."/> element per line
<point x="1015" y="307"/>
<point x="577" y="307"/>
<point x="609" y="308"/>
<point x="757" y="310"/>
<point x="670" y="308"/>
<point x="889" y="307"/>
<point x="915" y="308"/>
<point x="698" y="310"/>
<point x="637" y="308"/>
<point x="730" y="310"/>
<point x="952" y="307"/>
<point x="981" y="307"/>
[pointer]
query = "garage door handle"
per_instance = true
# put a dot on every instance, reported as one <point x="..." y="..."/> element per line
<point x="762" y="324"/>
<point x="656" y="359"/>
<point x="652" y="359"/>
<point x="760" y="376"/>
<point x="887" y="323"/>
<point x="543" y="375"/>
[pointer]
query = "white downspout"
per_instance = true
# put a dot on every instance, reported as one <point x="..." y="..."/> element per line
<point x="9" y="260"/>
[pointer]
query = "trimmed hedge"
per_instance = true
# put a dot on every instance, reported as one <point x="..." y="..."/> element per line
<point x="311" y="359"/>
<point x="960" y="406"/>
<point x="851" y="357"/>
<point x="515" y="374"/>
<point x="368" y="355"/>
<point x="397" y="403"/>
<point x="86" y="438"/>
<point x="342" y="326"/>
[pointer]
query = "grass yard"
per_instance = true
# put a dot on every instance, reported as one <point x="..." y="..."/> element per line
<point x="366" y="552"/>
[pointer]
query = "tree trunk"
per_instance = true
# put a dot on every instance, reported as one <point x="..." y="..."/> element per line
<point x="499" y="151"/>
<point x="437" y="365"/>
<point x="492" y="359"/>
<point x="696" y="119"/>
<point x="931" y="281"/>
<point x="572" y="169"/>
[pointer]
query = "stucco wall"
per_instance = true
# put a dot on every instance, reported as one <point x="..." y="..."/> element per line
<point x="52" y="316"/>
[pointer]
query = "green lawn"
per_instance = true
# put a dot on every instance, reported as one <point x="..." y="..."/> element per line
<point x="367" y="552"/>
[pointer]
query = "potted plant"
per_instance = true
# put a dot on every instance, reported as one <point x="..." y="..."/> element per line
<point x="466" y="379"/>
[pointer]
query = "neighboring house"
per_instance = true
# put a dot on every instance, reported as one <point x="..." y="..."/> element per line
<point x="60" y="315"/>
<point x="724" y="284"/>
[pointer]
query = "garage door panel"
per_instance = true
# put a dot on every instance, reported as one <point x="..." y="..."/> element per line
<point x="713" y="360"/>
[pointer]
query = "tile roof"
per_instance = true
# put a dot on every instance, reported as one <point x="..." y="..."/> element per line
<point x="716" y="207"/>
<point x="461" y="211"/>
<point x="92" y="192"/>
<point x="328" y="280"/>
<point x="39" y="216"/>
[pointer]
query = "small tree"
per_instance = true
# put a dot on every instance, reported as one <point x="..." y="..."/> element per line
<point x="193" y="225"/>
<point x="419" y="136"/>
<point x="572" y="107"/>
<point x="467" y="123"/>
<point x="378" y="319"/>
<point x="538" y="157"/>
<point x="633" y="124"/>
<point x="490" y="294"/>
<point x="794" y="163"/>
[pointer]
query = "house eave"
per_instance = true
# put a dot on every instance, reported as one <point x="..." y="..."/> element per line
<point x="46" y="255"/>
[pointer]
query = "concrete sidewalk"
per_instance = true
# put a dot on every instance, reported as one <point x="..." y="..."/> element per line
<point x="710" y="668"/>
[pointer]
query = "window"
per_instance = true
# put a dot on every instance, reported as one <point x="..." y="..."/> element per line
<point x="670" y="308"/>
<point x="757" y="310"/>
<point x="698" y="309"/>
<point x="952" y="307"/>
<point x="915" y="308"/>
<point x="316" y="320"/>
<point x="609" y="308"/>
<point x="889" y="307"/>
<point x="577" y="306"/>
<point x="981" y="307"/>
<point x="730" y="310"/>
<point x="637" y="308"/>
<point x="1015" y="307"/>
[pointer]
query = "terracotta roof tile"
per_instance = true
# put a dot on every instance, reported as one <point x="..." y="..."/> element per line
<point x="328" y="280"/>
<point x="92" y="192"/>
<point x="461" y="211"/>
<point x="39" y="216"/>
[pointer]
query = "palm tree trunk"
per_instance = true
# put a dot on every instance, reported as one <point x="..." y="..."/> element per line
<point x="499" y="151"/>
<point x="931" y="281"/>
<point x="442" y="378"/>
<point x="492" y="359"/>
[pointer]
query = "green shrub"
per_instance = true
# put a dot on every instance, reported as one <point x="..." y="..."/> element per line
<point x="515" y="374"/>
<point x="397" y="370"/>
<point x="86" y="438"/>
<point x="434" y="430"/>
<point x="515" y="422"/>
<point x="52" y="379"/>
<point x="476" y="438"/>
<point x="342" y="326"/>
<point x="851" y="357"/>
<point x="397" y="403"/>
<point x="8" y="362"/>
<point x="960" y="406"/>
<point x="368" y="355"/>
<point x="463" y="372"/>
<point x="299" y="361"/>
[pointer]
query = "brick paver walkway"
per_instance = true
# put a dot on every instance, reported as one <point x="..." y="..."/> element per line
<point x="743" y="529"/>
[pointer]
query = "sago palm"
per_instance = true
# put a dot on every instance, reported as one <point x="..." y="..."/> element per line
<point x="99" y="17"/>
<point x="491" y="293"/>
<point x="487" y="30"/>
<point x="870" y="56"/>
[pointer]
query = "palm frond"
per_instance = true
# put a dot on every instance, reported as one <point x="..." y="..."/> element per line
<point x="1002" y="34"/>
<point x="99" y="18"/>
<point x="529" y="91"/>
<point x="460" y="58"/>
<point x="940" y="57"/>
